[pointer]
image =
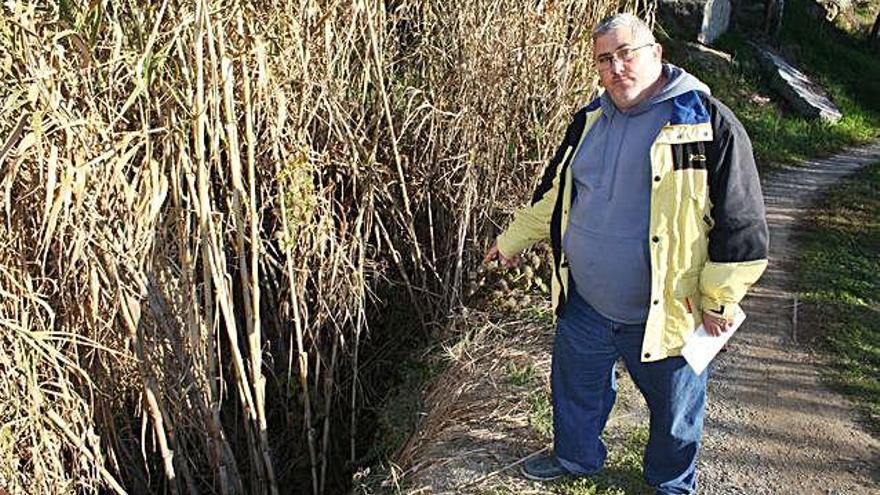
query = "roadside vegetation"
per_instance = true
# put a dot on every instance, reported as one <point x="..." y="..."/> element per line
<point x="839" y="284"/>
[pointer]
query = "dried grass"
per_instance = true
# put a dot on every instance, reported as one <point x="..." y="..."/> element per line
<point x="202" y="201"/>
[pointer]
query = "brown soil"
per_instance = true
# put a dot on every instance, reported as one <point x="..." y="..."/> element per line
<point x="772" y="426"/>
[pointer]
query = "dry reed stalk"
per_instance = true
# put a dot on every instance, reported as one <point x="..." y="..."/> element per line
<point x="303" y="376"/>
<point x="131" y="316"/>
<point x="252" y="286"/>
<point x="197" y="193"/>
<point x="328" y="403"/>
<point x="223" y="459"/>
<point x="249" y="389"/>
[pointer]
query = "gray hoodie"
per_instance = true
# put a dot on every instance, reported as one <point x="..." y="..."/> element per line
<point x="607" y="237"/>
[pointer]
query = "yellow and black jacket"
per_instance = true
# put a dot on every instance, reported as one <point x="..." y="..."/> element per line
<point x="708" y="233"/>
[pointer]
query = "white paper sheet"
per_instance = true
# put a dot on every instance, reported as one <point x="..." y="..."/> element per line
<point x="700" y="348"/>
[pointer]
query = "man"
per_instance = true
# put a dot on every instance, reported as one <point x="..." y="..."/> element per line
<point x="654" y="211"/>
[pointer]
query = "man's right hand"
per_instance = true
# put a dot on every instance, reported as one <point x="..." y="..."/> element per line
<point x="715" y="325"/>
<point x="494" y="253"/>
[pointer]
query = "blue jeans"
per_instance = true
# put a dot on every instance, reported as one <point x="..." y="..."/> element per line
<point x="585" y="351"/>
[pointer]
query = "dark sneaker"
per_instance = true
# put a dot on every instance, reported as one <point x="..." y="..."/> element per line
<point x="545" y="467"/>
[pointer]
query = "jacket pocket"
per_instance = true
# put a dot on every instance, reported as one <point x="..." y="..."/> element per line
<point x="687" y="285"/>
<point x="686" y="293"/>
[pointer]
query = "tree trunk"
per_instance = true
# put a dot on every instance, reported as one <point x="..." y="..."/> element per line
<point x="875" y="33"/>
<point x="773" y="18"/>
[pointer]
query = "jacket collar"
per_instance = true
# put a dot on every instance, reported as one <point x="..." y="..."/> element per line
<point x="690" y="120"/>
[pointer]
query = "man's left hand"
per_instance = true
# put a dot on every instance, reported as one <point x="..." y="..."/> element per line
<point x="715" y="325"/>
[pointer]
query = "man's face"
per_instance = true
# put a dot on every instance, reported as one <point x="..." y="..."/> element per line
<point x="628" y="82"/>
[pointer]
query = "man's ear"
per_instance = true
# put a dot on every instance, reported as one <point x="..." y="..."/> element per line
<point x="658" y="51"/>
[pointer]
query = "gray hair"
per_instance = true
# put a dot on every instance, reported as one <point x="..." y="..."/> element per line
<point x="640" y="29"/>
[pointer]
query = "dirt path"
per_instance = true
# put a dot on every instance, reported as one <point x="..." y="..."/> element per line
<point x="772" y="426"/>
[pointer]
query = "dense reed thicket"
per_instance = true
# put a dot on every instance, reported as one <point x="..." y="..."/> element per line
<point x="206" y="205"/>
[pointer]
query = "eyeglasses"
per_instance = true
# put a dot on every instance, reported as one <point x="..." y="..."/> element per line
<point x="623" y="55"/>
